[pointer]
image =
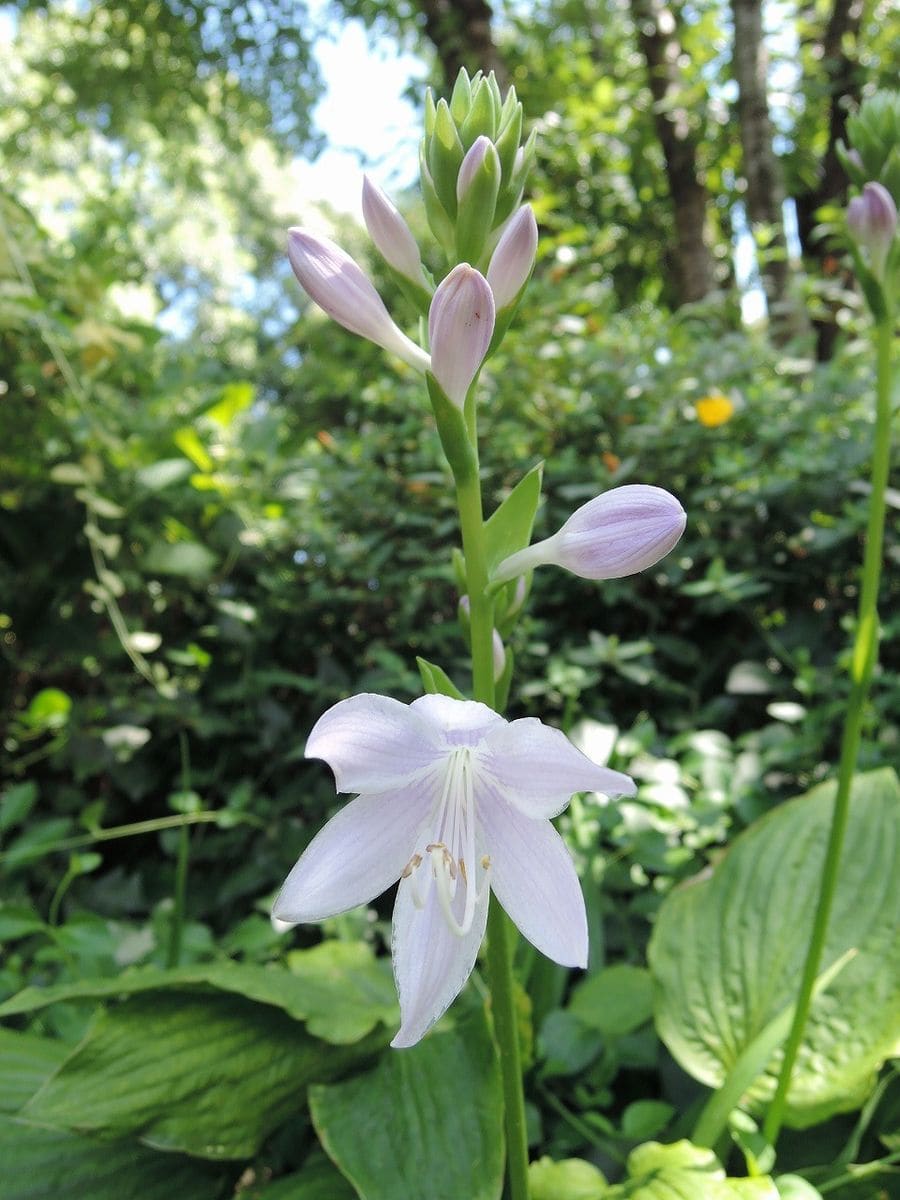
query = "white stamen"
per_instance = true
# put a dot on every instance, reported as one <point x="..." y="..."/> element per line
<point x="452" y="846"/>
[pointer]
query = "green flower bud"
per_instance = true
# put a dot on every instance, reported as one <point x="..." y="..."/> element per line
<point x="461" y="96"/>
<point x="445" y="153"/>
<point x="478" y="185"/>
<point x="481" y="119"/>
<point x="509" y="138"/>
<point x="430" y="113"/>
<point x="438" y="220"/>
<point x="874" y="135"/>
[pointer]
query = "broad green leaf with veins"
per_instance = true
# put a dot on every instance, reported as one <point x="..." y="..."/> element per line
<point x="728" y="950"/>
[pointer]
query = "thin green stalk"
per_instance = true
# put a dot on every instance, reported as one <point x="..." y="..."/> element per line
<point x="181" y="863"/>
<point x="501" y="935"/>
<point x="61" y="888"/>
<point x="862" y="1171"/>
<point x="137" y="828"/>
<point x="865" y="655"/>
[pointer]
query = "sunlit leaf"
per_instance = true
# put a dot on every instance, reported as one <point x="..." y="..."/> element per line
<point x="728" y="950"/>
<point x="440" y="1101"/>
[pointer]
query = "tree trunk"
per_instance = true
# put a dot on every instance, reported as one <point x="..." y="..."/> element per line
<point x="460" y="31"/>
<point x="845" y="79"/>
<point x="659" y="44"/>
<point x="762" y="169"/>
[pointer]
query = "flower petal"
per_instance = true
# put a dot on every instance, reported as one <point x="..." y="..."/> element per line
<point x="374" y="743"/>
<point x="533" y="878"/>
<point x="431" y="963"/>
<point x="358" y="855"/>
<point x="459" y="722"/>
<point x="536" y="768"/>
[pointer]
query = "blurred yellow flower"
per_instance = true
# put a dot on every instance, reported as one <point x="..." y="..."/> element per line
<point x="714" y="409"/>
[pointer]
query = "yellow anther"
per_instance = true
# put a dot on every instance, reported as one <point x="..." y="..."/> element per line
<point x="411" y="866"/>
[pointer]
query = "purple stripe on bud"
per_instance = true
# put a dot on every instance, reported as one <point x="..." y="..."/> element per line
<point x="460" y="326"/>
<point x="342" y="289"/>
<point x="390" y="233"/>
<point x="513" y="258"/>
<point x="619" y="533"/>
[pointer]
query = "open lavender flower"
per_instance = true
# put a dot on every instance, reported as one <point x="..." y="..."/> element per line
<point x="453" y="801"/>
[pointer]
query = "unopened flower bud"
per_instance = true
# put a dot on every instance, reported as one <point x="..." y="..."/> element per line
<point x="513" y="258"/>
<point x="460" y="325"/>
<point x="472" y="163"/>
<point x="342" y="289"/>
<point x="872" y="221"/>
<point x="391" y="234"/>
<point x="281" y="926"/>
<point x="520" y="594"/>
<point x="619" y="533"/>
<point x="499" y="656"/>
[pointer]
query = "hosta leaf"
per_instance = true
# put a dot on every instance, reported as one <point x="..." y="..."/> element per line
<point x="26" y="1062"/>
<point x="727" y="950"/>
<point x="571" y="1179"/>
<point x="40" y="1163"/>
<point x="684" y="1172"/>
<point x="211" y="1075"/>
<point x="616" y="1000"/>
<point x="431" y="1114"/>
<point x="339" y="988"/>
<point x="320" y="1181"/>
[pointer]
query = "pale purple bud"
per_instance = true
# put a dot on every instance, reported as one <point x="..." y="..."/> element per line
<point x="471" y="164"/>
<point x="619" y="533"/>
<point x="519" y="596"/>
<point x="499" y="656"/>
<point x="513" y="258"/>
<point x="460" y="326"/>
<point x="390" y="233"/>
<point x="499" y="652"/>
<point x="872" y="221"/>
<point x="342" y="289"/>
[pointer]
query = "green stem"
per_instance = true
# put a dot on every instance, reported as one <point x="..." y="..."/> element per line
<point x="481" y="611"/>
<point x="181" y="863"/>
<point x="865" y="655"/>
<point x="61" y="888"/>
<point x="155" y="825"/>
<point x="862" y="1171"/>
<point x="501" y="935"/>
<point x="506" y="1031"/>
